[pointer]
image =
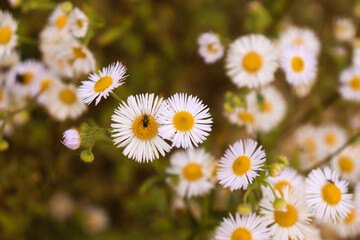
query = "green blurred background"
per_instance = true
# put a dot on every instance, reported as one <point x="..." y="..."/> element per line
<point x="157" y="41"/>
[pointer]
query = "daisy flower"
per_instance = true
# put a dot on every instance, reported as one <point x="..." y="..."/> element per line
<point x="194" y="168"/>
<point x="344" y="29"/>
<point x="63" y="103"/>
<point x="347" y="165"/>
<point x="59" y="19"/>
<point x="291" y="223"/>
<point x="295" y="36"/>
<point x="242" y="227"/>
<point x="61" y="205"/>
<point x="8" y="37"/>
<point x="350" y="226"/>
<point x="22" y="76"/>
<point x="136" y="128"/>
<point x="251" y="61"/>
<point x="288" y="178"/>
<point x="350" y="83"/>
<point x="184" y="120"/>
<point x="327" y="195"/>
<point x="71" y="139"/>
<point x="101" y="84"/>
<point x="42" y="82"/>
<point x="271" y="112"/>
<point x="244" y="117"/>
<point x="299" y="65"/>
<point x="332" y="137"/>
<point x="210" y="47"/>
<point x="240" y="163"/>
<point x="79" y="23"/>
<point x="96" y="219"/>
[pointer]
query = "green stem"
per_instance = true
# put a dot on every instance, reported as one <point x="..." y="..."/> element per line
<point x="247" y="193"/>
<point x="116" y="97"/>
<point x="271" y="188"/>
<point x="29" y="41"/>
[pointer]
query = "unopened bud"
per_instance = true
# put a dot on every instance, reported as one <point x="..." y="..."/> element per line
<point x="280" y="204"/>
<point x="237" y="101"/>
<point x="87" y="156"/>
<point x="67" y="6"/>
<point x="228" y="107"/>
<point x="71" y="139"/>
<point x="275" y="170"/>
<point x="244" y="209"/>
<point x="283" y="160"/>
<point x="4" y="145"/>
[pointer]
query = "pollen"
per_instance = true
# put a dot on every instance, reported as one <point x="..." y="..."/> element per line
<point x="102" y="84"/>
<point x="183" y="121"/>
<point x="331" y="194"/>
<point x="145" y="127"/>
<point x="67" y="96"/>
<point x="297" y="64"/>
<point x="61" y="21"/>
<point x="192" y="172"/>
<point x="241" y="234"/>
<point x="5" y="34"/>
<point x="346" y="164"/>
<point x="286" y="218"/>
<point x="252" y="62"/>
<point x="355" y="83"/>
<point x="241" y="165"/>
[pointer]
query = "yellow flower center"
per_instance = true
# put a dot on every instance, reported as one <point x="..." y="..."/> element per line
<point x="331" y="194"/>
<point x="310" y="144"/>
<point x="355" y="83"/>
<point x="241" y="165"/>
<point x="212" y="49"/>
<point x="330" y="139"/>
<point x="79" y="23"/>
<point x="78" y="52"/>
<point x="252" y="62"/>
<point x="25" y="78"/>
<point x="45" y="83"/>
<point x="297" y="41"/>
<point x="267" y="106"/>
<point x="103" y="83"/>
<point x="5" y="34"/>
<point x="286" y="218"/>
<point x="351" y="217"/>
<point x="67" y="96"/>
<point x="192" y="172"/>
<point x="61" y="21"/>
<point x="145" y="127"/>
<point x="281" y="184"/>
<point x="183" y="121"/>
<point x="246" y="117"/>
<point x="346" y="164"/>
<point x="241" y="234"/>
<point x="297" y="64"/>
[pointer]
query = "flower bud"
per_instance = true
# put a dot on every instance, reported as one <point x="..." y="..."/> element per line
<point x="87" y="156"/>
<point x="283" y="160"/>
<point x="244" y="209"/>
<point x="228" y="107"/>
<point x="275" y="170"/>
<point x="4" y="145"/>
<point x="280" y="204"/>
<point x="71" y="139"/>
<point x="66" y="6"/>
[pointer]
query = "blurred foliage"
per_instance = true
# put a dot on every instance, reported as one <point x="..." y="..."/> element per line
<point x="157" y="41"/>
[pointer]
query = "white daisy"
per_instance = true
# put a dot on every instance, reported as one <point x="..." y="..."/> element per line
<point x="194" y="168"/>
<point x="287" y="178"/>
<point x="291" y="223"/>
<point x="42" y="82"/>
<point x="63" y="102"/>
<point x="184" y="120"/>
<point x="249" y="227"/>
<point x="22" y="76"/>
<point x="71" y="139"/>
<point x="295" y="36"/>
<point x="101" y="84"/>
<point x="346" y="164"/>
<point x="327" y="195"/>
<point x="350" y="226"/>
<point x="210" y="47"/>
<point x="79" y="23"/>
<point x="240" y="163"/>
<point x="59" y="19"/>
<point x="299" y="65"/>
<point x="350" y="83"/>
<point x="331" y="137"/>
<point x="96" y="219"/>
<point x="8" y="37"/>
<point x="271" y="112"/>
<point x="251" y="61"/>
<point x="136" y="128"/>
<point x="61" y="205"/>
<point x="344" y="29"/>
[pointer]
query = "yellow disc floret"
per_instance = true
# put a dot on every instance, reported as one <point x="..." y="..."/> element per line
<point x="297" y="64"/>
<point x="102" y="84"/>
<point x="241" y="165"/>
<point x="331" y="194"/>
<point x="5" y="34"/>
<point x="145" y="127"/>
<point x="241" y="234"/>
<point x="183" y="121"/>
<point x="192" y="172"/>
<point x="252" y="62"/>
<point x="67" y="96"/>
<point x="286" y="218"/>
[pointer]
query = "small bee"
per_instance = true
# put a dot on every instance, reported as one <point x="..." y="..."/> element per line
<point x="20" y="78"/>
<point x="146" y="121"/>
<point x="330" y="181"/>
